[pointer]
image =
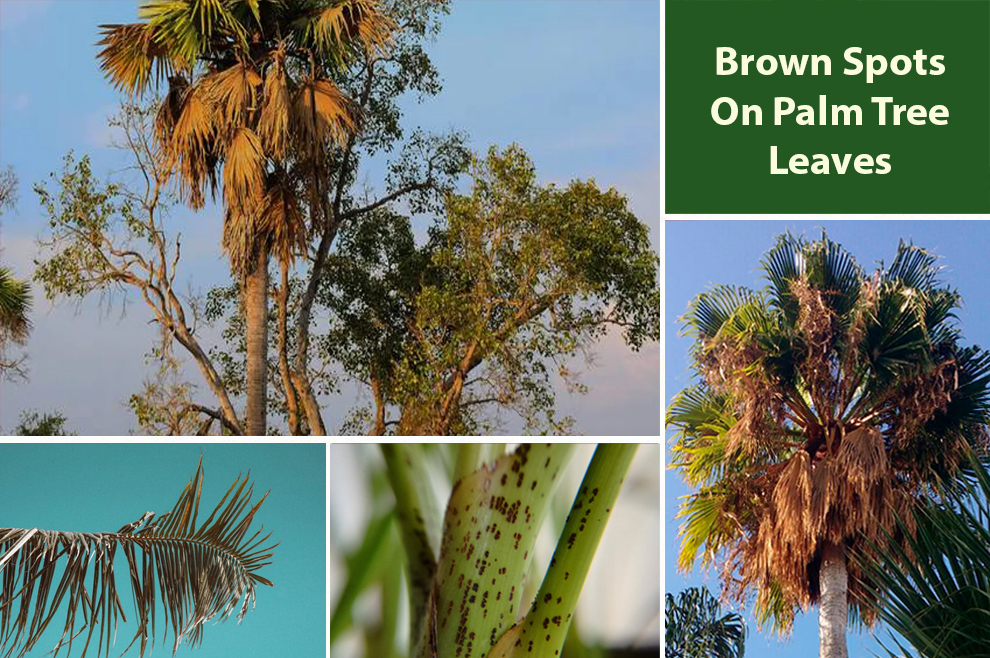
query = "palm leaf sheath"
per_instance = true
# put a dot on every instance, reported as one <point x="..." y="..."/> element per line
<point x="199" y="572"/>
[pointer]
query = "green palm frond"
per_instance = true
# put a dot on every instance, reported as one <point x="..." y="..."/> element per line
<point x="913" y="267"/>
<point x="937" y="598"/>
<point x="198" y="572"/>
<point x="15" y="304"/>
<point x="710" y="310"/>
<point x="695" y="627"/>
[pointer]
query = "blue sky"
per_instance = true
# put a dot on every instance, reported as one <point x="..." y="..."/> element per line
<point x="576" y="84"/>
<point x="101" y="487"/>
<point x="702" y="253"/>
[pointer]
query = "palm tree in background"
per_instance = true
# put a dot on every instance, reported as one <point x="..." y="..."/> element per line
<point x="15" y="295"/>
<point x="939" y="602"/>
<point x="830" y="402"/>
<point x="197" y="572"/>
<point x="694" y="627"/>
<point x="250" y="106"/>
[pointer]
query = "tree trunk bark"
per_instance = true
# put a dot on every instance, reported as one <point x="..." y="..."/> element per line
<point x="256" y="336"/>
<point x="833" y="607"/>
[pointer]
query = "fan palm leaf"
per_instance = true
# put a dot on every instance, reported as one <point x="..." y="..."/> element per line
<point x="199" y="572"/>
<point x="132" y="56"/>
<point x="935" y="591"/>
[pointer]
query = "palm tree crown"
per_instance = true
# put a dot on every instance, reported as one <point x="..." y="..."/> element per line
<point x="829" y="402"/>
<point x="248" y="82"/>
<point x="251" y="101"/>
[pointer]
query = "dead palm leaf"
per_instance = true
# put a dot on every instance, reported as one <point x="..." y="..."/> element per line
<point x="199" y="572"/>
<point x="323" y="114"/>
<point x="281" y="220"/>
<point x="244" y="171"/>
<point x="273" y="122"/>
<point x="232" y="92"/>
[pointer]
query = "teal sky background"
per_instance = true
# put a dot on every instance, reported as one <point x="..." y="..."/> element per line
<point x="702" y="253"/>
<point x="576" y="84"/>
<point x="101" y="487"/>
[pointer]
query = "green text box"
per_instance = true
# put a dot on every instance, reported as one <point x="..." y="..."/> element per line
<point x="713" y="168"/>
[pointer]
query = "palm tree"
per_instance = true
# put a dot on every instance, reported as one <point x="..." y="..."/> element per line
<point x="15" y="295"/>
<point x="15" y="303"/>
<point x="694" y="627"/>
<point x="251" y="93"/>
<point x="200" y="572"/>
<point x="938" y="599"/>
<point x="829" y="403"/>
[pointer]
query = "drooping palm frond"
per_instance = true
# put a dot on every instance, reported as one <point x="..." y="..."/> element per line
<point x="198" y="572"/>
<point x="322" y="114"/>
<point x="281" y="219"/>
<point x="273" y="121"/>
<point x="244" y="171"/>
<point x="233" y="92"/>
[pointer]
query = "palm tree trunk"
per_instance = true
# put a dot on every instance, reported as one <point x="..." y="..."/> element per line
<point x="833" y="606"/>
<point x="256" y="336"/>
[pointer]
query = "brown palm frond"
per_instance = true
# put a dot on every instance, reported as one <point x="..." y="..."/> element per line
<point x="244" y="171"/>
<point x="337" y="28"/>
<point x="170" y="109"/>
<point x="198" y="573"/>
<point x="233" y="92"/>
<point x="273" y="122"/>
<point x="281" y="220"/>
<point x="130" y="56"/>
<point x="323" y="114"/>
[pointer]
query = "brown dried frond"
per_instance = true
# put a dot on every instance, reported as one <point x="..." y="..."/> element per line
<point x="281" y="220"/>
<point x="864" y="491"/>
<point x="786" y="540"/>
<point x="169" y="110"/>
<point x="244" y="172"/>
<point x="824" y="493"/>
<point x="817" y="324"/>
<point x="862" y="458"/>
<point x="322" y="114"/>
<point x="734" y="367"/>
<point x="233" y="93"/>
<point x="915" y="402"/>
<point x="273" y="122"/>
<point x="869" y="294"/>
<point x="195" y="127"/>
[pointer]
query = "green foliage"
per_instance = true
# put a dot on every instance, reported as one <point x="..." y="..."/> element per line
<point x="33" y="423"/>
<point x="84" y="215"/>
<point x="695" y="627"/>
<point x="514" y="281"/>
<point x="934" y="592"/>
